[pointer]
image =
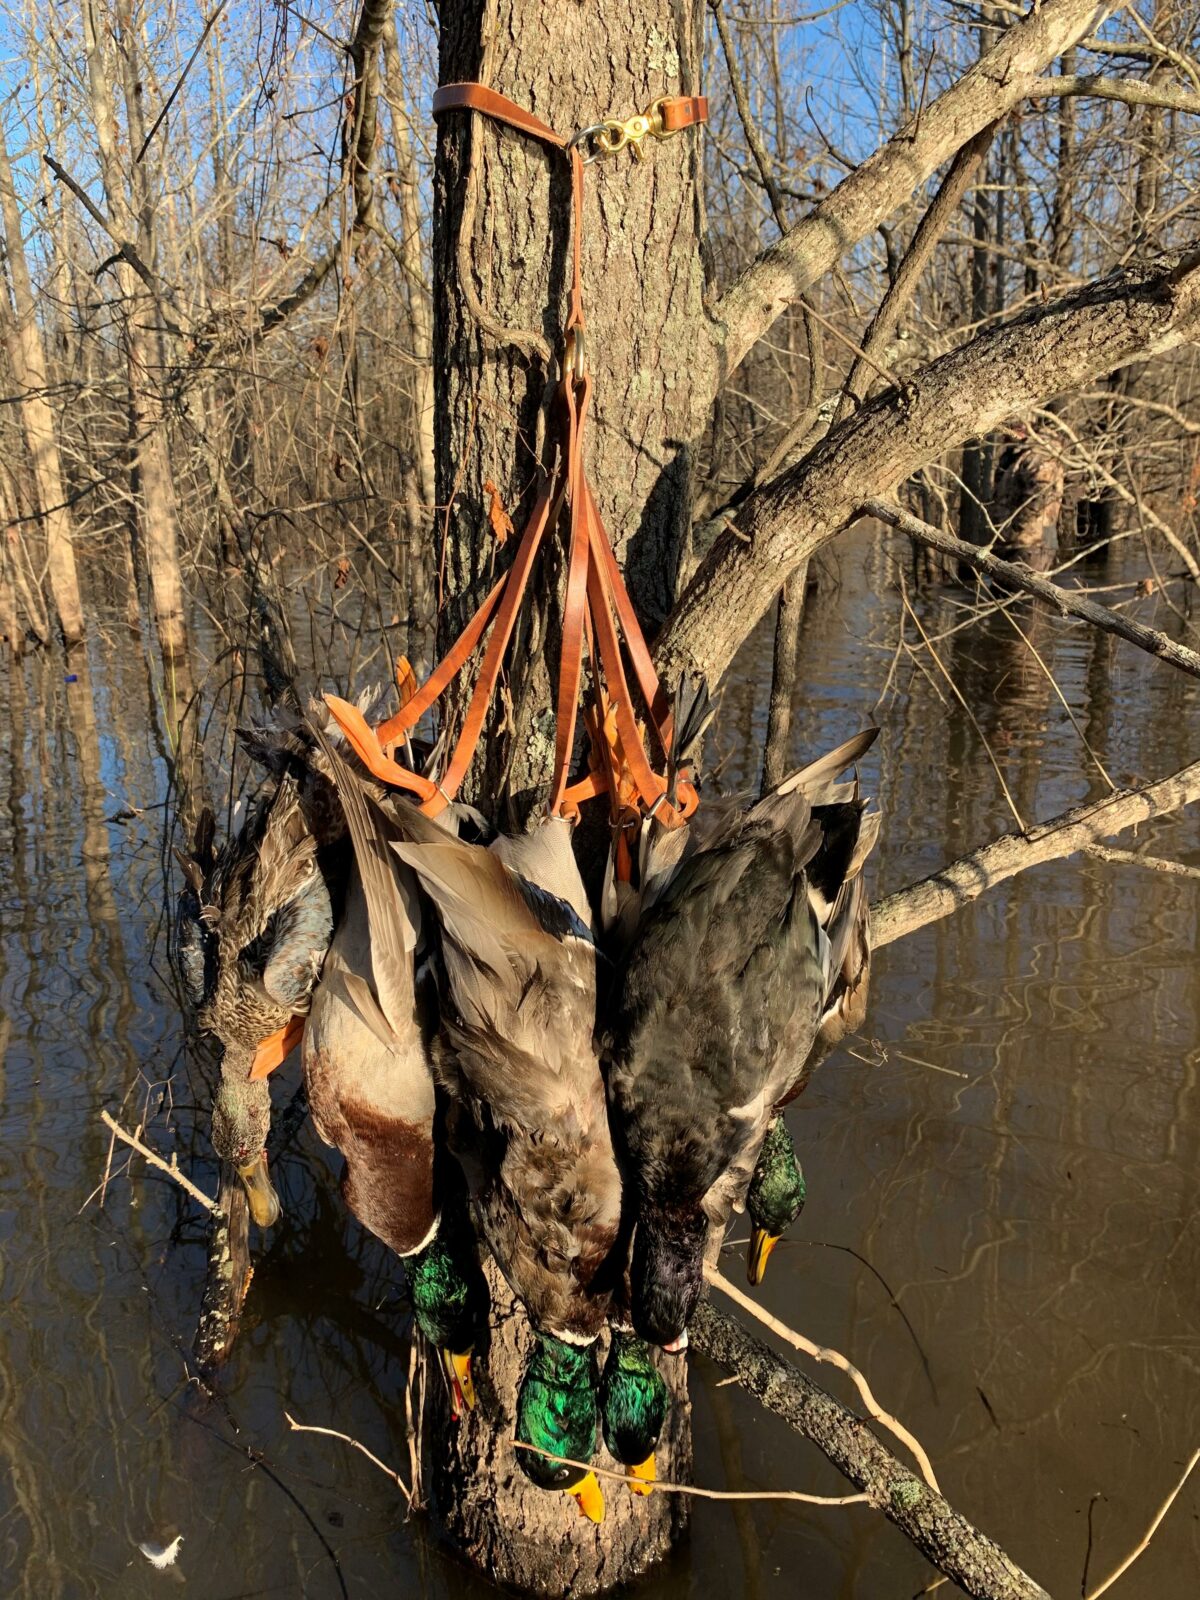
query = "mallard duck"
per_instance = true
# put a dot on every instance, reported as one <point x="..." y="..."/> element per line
<point x="519" y="963"/>
<point x="718" y="996"/>
<point x="371" y="1087"/>
<point x="255" y="920"/>
<point x="838" y="897"/>
<point x="633" y="1407"/>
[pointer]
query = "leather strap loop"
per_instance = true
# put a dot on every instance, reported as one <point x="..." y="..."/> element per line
<point x="476" y="97"/>
<point x="680" y="111"/>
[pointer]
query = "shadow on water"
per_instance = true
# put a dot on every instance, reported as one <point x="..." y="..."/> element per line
<point x="1003" y="1180"/>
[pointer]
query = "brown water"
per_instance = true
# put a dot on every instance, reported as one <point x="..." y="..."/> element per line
<point x="1002" y="1224"/>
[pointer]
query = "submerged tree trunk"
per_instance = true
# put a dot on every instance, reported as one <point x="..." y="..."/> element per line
<point x="27" y="358"/>
<point x="142" y="313"/>
<point x="501" y="271"/>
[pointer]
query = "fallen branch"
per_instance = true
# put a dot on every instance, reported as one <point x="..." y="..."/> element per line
<point x="972" y="875"/>
<point x="171" y="1168"/>
<point x="835" y="1358"/>
<point x="1018" y="576"/>
<point x="943" y="1535"/>
<point x="332" y="1433"/>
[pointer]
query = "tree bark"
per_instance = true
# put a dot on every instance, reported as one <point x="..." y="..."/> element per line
<point x="527" y="1537"/>
<point x="501" y="271"/>
<point x="158" y="521"/>
<point x="27" y="358"/>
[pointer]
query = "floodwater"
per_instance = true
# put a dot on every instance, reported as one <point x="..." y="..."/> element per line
<point x="1002" y="1226"/>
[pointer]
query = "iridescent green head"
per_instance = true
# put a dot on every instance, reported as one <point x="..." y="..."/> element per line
<point x="450" y="1304"/>
<point x="775" y="1197"/>
<point x="556" y="1412"/>
<point x="633" y="1407"/>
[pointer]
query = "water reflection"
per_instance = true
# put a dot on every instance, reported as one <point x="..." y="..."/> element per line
<point x="1003" y="1187"/>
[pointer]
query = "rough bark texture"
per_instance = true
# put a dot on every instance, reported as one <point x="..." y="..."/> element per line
<point x="941" y="1533"/>
<point x="521" y="1535"/>
<point x="501" y="268"/>
<point x="1048" y="351"/>
<point x="972" y="875"/>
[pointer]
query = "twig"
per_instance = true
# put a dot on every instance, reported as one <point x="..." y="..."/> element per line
<point x="1021" y="577"/>
<point x="1101" y="1588"/>
<point x="332" y="1433"/>
<point x="975" y="1562"/>
<point x="171" y="1167"/>
<point x="702" y="1494"/>
<point x="833" y="1358"/>
<point x="1131" y="858"/>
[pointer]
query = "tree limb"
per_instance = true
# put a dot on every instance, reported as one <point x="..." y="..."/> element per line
<point x="971" y="875"/>
<point x="941" y="1534"/>
<point x="1052" y="349"/>
<point x="1129" y="91"/>
<point x="1018" y="576"/>
<point x="1000" y="80"/>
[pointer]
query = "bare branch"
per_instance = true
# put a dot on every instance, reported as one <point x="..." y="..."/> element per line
<point x="1000" y="80"/>
<point x="971" y="875"/>
<point x="1049" y="350"/>
<point x="1019" y="576"/>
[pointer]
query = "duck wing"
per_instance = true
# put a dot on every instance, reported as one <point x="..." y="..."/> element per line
<point x="393" y="911"/>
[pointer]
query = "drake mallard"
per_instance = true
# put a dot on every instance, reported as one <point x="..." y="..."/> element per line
<point x="720" y="993"/>
<point x="518" y="958"/>
<point x="839" y="900"/>
<point x="254" y="922"/>
<point x="633" y="1406"/>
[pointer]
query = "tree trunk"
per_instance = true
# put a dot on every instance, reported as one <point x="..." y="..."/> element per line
<point x="501" y="267"/>
<point x="527" y="1537"/>
<point x="28" y="361"/>
<point x="158" y="519"/>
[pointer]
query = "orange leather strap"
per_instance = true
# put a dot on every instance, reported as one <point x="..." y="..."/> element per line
<point x="596" y="600"/>
<point x="274" y="1050"/>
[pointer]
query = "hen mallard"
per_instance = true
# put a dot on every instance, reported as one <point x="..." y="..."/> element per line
<point x="519" y="964"/>
<point x="719" y="994"/>
<point x="255" y="920"/>
<point x="838" y="897"/>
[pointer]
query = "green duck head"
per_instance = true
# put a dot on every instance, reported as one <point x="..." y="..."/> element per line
<point x="450" y="1304"/>
<point x="633" y="1407"/>
<point x="556" y="1412"/>
<point x="775" y="1197"/>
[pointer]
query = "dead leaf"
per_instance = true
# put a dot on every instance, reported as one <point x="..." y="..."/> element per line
<point x="502" y="523"/>
<point x="343" y="573"/>
<point x="406" y="680"/>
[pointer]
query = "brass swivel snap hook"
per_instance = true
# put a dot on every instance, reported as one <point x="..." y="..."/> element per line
<point x="612" y="135"/>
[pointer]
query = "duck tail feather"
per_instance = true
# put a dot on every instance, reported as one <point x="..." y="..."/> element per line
<point x="819" y="772"/>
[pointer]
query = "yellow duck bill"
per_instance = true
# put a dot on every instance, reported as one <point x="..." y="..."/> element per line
<point x="587" y="1496"/>
<point x="459" y="1381"/>
<point x="260" y="1191"/>
<point x="642" y="1477"/>
<point x="761" y="1245"/>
